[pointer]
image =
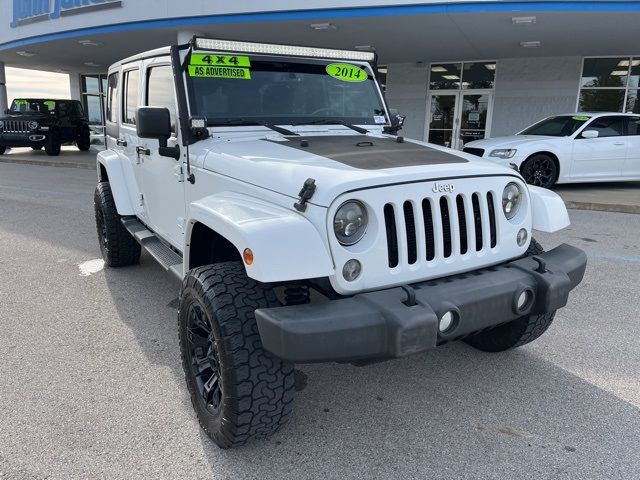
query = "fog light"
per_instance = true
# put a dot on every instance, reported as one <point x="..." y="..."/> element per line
<point x="351" y="270"/>
<point x="522" y="236"/>
<point x="523" y="300"/>
<point x="446" y="321"/>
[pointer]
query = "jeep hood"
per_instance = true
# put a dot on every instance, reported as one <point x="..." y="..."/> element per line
<point x="25" y="117"/>
<point x="338" y="163"/>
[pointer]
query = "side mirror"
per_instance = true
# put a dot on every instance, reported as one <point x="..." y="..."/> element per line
<point x="397" y="122"/>
<point x="590" y="134"/>
<point x="155" y="122"/>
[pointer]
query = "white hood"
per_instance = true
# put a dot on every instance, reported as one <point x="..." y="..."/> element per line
<point x="273" y="163"/>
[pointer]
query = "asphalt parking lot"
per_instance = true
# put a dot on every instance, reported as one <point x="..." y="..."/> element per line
<point x="91" y="384"/>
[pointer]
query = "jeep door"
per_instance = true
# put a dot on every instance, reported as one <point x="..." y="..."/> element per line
<point x="66" y="127"/>
<point x="162" y="178"/>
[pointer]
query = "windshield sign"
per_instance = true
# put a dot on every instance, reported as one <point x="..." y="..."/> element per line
<point x="23" y="105"/>
<point x="234" y="89"/>
<point x="562" y="126"/>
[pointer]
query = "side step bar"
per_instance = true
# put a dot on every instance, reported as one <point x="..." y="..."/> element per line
<point x="165" y="256"/>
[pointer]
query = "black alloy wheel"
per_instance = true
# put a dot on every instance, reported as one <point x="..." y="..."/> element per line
<point x="541" y="171"/>
<point x="205" y="363"/>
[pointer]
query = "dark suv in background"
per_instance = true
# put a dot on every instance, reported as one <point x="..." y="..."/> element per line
<point x="38" y="123"/>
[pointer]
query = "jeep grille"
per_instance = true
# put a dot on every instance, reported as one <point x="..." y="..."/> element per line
<point x="438" y="228"/>
<point x="16" y="126"/>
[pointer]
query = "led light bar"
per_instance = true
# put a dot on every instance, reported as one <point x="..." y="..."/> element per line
<point x="285" y="50"/>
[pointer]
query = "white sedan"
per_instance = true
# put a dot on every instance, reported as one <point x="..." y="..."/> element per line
<point x="571" y="148"/>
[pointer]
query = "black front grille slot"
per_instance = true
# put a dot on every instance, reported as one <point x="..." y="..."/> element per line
<point x="477" y="220"/>
<point x="446" y="227"/>
<point x="427" y="218"/>
<point x="479" y="152"/>
<point x="410" y="227"/>
<point x="392" y="235"/>
<point x="492" y="219"/>
<point x="462" y="224"/>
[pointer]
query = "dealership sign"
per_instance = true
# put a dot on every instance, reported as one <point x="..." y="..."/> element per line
<point x="32" y="11"/>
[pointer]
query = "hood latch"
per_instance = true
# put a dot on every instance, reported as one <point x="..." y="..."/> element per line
<point x="308" y="189"/>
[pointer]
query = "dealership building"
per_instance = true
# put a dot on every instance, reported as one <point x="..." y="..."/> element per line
<point x="459" y="70"/>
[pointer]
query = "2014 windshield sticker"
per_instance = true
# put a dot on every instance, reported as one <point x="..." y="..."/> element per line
<point x="580" y="118"/>
<point x="216" y="65"/>
<point x="347" y="73"/>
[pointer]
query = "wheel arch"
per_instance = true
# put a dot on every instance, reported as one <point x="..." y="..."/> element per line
<point x="109" y="169"/>
<point x="285" y="245"/>
<point x="549" y="153"/>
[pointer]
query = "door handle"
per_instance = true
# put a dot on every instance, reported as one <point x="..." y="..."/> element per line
<point x="121" y="142"/>
<point x="143" y="151"/>
<point x="618" y="143"/>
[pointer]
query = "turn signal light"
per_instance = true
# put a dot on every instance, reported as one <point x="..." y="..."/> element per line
<point x="247" y="255"/>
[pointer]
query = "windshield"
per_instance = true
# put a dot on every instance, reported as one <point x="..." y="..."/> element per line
<point x="281" y="92"/>
<point x="24" y="105"/>
<point x="562" y="126"/>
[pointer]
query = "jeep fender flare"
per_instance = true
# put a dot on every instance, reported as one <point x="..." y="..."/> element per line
<point x="548" y="211"/>
<point x="286" y="246"/>
<point x="113" y="164"/>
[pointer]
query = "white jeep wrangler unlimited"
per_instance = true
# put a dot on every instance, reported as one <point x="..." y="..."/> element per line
<point x="271" y="181"/>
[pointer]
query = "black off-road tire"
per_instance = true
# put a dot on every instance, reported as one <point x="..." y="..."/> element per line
<point x="52" y="146"/>
<point x="518" y="332"/>
<point x="239" y="390"/>
<point x="2" y="149"/>
<point x="37" y="147"/>
<point x="84" y="140"/>
<point x="118" y="247"/>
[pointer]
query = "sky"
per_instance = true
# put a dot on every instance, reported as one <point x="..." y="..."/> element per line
<point x="32" y="83"/>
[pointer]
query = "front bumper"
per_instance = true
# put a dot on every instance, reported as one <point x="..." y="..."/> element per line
<point x="22" y="139"/>
<point x="381" y="324"/>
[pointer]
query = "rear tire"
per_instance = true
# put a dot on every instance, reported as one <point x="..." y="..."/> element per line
<point x="52" y="146"/>
<point x="517" y="332"/>
<point x="239" y="390"/>
<point x="118" y="247"/>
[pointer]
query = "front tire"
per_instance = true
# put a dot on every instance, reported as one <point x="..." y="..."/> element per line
<point x="118" y="247"/>
<point x="540" y="170"/>
<point x="52" y="146"/>
<point x="517" y="332"/>
<point x="84" y="140"/>
<point x="2" y="149"/>
<point x="239" y="390"/>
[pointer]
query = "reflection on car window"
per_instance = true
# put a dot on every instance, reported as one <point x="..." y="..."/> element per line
<point x="561" y="126"/>
<point x="634" y="126"/>
<point x="608" y="126"/>
<point x="160" y="91"/>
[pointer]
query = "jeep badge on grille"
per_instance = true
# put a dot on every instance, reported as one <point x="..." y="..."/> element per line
<point x="443" y="188"/>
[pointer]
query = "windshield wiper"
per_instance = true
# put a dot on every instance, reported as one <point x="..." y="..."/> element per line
<point x="241" y="121"/>
<point x="325" y="121"/>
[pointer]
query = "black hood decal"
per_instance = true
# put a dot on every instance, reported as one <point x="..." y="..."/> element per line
<point x="371" y="153"/>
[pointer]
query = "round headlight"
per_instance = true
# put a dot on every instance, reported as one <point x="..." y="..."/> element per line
<point x="33" y="125"/>
<point x="350" y="222"/>
<point x="511" y="200"/>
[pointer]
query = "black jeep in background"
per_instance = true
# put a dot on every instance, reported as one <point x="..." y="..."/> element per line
<point x="39" y="123"/>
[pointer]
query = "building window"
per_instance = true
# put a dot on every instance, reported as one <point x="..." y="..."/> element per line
<point x="466" y="76"/>
<point x="610" y="85"/>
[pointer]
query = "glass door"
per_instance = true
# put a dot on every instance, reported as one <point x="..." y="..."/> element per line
<point x="442" y="116"/>
<point x="456" y="119"/>
<point x="473" y="115"/>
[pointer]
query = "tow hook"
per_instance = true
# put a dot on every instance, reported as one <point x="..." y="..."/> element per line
<point x="411" y="295"/>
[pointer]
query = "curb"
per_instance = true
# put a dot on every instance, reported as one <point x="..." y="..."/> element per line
<point x="44" y="163"/>
<point x="603" y="207"/>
